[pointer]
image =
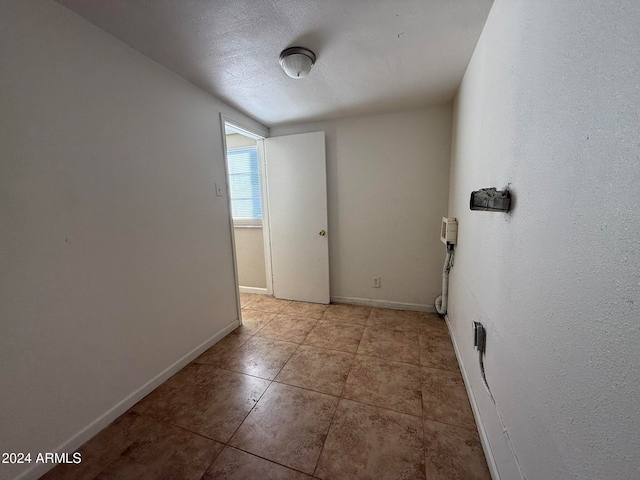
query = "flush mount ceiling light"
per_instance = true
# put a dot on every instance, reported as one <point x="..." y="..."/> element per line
<point x="297" y="61"/>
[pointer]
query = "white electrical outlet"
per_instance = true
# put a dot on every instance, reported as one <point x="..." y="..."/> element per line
<point x="218" y="190"/>
<point x="376" y="282"/>
<point x="449" y="230"/>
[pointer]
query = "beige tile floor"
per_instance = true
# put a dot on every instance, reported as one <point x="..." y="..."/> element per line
<point x="302" y="391"/>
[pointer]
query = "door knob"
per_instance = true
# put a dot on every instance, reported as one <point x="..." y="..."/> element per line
<point x="322" y="233"/>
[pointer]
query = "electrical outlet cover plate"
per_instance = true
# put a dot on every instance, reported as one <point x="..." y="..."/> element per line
<point x="479" y="336"/>
<point x="449" y="230"/>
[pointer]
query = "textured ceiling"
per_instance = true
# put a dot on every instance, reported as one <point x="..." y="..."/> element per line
<point x="373" y="55"/>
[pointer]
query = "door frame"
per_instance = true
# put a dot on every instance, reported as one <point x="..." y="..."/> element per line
<point x="258" y="135"/>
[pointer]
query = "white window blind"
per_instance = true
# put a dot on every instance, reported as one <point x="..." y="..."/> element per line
<point x="244" y="186"/>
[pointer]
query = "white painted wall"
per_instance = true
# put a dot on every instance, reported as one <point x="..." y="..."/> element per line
<point x="550" y="105"/>
<point x="115" y="253"/>
<point x="250" y="257"/>
<point x="387" y="182"/>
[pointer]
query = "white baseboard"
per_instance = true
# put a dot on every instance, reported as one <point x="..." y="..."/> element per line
<point x="368" y="302"/>
<point x="259" y="291"/>
<point x="484" y="440"/>
<point x="73" y="443"/>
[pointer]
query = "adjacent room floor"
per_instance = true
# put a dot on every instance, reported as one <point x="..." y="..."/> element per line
<point x="302" y="390"/>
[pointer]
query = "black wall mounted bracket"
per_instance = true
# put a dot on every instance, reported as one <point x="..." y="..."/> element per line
<point x="490" y="200"/>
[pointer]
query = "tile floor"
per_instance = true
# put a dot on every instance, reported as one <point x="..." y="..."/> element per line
<point x="302" y="391"/>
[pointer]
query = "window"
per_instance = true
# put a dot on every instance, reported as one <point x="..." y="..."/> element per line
<point x="244" y="186"/>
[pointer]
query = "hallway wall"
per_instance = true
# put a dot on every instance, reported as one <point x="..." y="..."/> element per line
<point x="549" y="107"/>
<point x="114" y="249"/>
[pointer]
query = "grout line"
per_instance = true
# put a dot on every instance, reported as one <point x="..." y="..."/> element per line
<point x="267" y="459"/>
<point x="285" y="363"/>
<point x="248" y="303"/>
<point x="383" y="408"/>
<point x="227" y="369"/>
<point x="362" y="336"/>
<point x="342" y="322"/>
<point x="263" y="392"/>
<point x="388" y="359"/>
<point x="288" y="341"/>
<point x="280" y="382"/>
<point x="275" y="314"/>
<point x="103" y="470"/>
<point x="344" y="385"/>
<point x="422" y="400"/>
<point x="415" y="331"/>
<point x="276" y="339"/>
<point x="327" y="348"/>
<point x="442" y="369"/>
<point x="185" y="429"/>
<point x="326" y="435"/>
<point x="337" y="405"/>
<point x="450" y="424"/>
<point x="248" y="413"/>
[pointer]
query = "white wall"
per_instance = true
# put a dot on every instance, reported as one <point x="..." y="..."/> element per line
<point x="387" y="182"/>
<point x="250" y="257"/>
<point x="115" y="252"/>
<point x="550" y="105"/>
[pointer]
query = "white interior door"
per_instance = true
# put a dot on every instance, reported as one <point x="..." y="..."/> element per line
<point x="297" y="190"/>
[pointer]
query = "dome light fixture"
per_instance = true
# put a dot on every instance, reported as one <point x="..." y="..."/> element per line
<point x="297" y="61"/>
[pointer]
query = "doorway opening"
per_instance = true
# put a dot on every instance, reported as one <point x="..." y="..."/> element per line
<point x="244" y="151"/>
<point x="277" y="193"/>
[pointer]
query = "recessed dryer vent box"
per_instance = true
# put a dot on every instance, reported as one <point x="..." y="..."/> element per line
<point x="449" y="231"/>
